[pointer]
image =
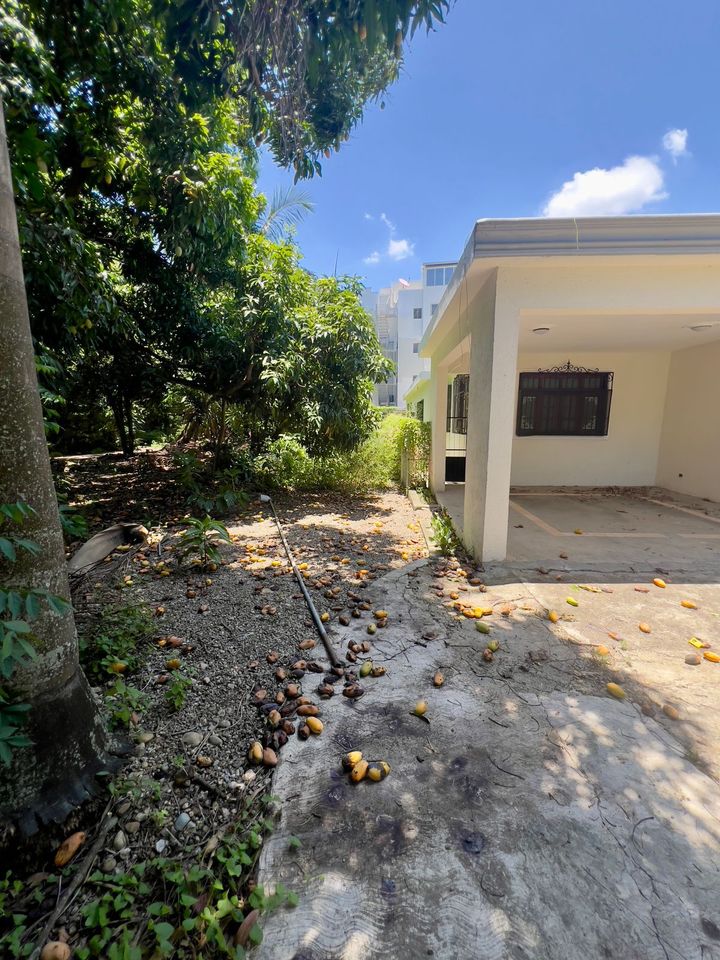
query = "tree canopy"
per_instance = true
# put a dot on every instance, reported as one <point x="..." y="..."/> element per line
<point x="133" y="128"/>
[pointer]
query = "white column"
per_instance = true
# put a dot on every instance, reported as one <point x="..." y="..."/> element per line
<point x="439" y="428"/>
<point x="491" y="409"/>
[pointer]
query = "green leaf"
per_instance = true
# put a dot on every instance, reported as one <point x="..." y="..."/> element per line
<point x="7" y="550"/>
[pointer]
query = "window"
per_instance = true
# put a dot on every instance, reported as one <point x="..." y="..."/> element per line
<point x="420" y="410"/>
<point x="438" y="276"/>
<point x="417" y="313"/>
<point x="416" y="346"/>
<point x="433" y="310"/>
<point x="458" y="404"/>
<point x="564" y="403"/>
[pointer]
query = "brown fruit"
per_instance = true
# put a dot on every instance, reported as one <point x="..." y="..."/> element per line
<point x="307" y="644"/>
<point x="269" y="757"/>
<point x="274" y="718"/>
<point x="308" y="710"/>
<point x="293" y="691"/>
<point x="326" y="690"/>
<point x="670" y="711"/>
<point x="55" y="950"/>
<point x="487" y="655"/>
<point x="353" y="691"/>
<point x="300" y="665"/>
<point x="304" y="732"/>
<point x="272" y="657"/>
<point x="438" y="679"/>
<point x="69" y="847"/>
<point x="255" y="753"/>
<point x="242" y="935"/>
<point x="280" y="674"/>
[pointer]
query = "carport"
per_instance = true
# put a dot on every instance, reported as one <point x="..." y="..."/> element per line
<point x="592" y="348"/>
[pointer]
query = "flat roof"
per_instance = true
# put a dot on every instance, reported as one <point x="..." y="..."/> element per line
<point x="638" y="234"/>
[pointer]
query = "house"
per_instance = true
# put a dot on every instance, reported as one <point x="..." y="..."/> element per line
<point x="402" y="313"/>
<point x="574" y="353"/>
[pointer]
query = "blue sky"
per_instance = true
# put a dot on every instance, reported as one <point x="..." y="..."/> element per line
<point x="522" y="108"/>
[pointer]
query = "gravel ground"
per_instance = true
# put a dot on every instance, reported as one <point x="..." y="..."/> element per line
<point x="232" y="629"/>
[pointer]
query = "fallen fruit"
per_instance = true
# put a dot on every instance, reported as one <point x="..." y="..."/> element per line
<point x="420" y="708"/>
<point x="242" y="934"/>
<point x="350" y="759"/>
<point x="353" y="691"/>
<point x="274" y="718"/>
<point x="381" y="614"/>
<point x="493" y="645"/>
<point x="307" y="644"/>
<point x="578" y="531"/>
<point x="644" y="628"/>
<point x="602" y="650"/>
<point x="688" y="604"/>
<point x="694" y="659"/>
<point x="308" y="710"/>
<point x="487" y="655"/>
<point x="359" y="771"/>
<point x="69" y="847"/>
<point x="572" y="601"/>
<point x="712" y="657"/>
<point x="377" y="771"/>
<point x="438" y="680"/>
<point x="55" y="950"/>
<point x="269" y="757"/>
<point x="255" y="753"/>
<point x="482" y="627"/>
<point x="615" y="690"/>
<point x="304" y="732"/>
<point x="325" y="616"/>
<point x="670" y="711"/>
<point x="315" y="725"/>
<point x="659" y="582"/>
<point x="173" y="664"/>
<point x="292" y="691"/>
<point x="377" y="672"/>
<point x="371" y="628"/>
<point x="553" y="616"/>
<point x="366" y="668"/>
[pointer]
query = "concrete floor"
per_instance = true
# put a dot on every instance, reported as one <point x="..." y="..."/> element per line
<point x="534" y="817"/>
<point x="614" y="532"/>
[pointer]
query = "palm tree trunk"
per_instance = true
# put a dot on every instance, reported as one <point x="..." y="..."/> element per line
<point x="44" y="781"/>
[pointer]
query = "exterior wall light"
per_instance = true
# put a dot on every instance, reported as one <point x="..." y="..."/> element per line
<point x="541" y="330"/>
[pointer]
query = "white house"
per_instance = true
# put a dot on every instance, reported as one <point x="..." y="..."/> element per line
<point x="591" y="349"/>
<point x="402" y="313"/>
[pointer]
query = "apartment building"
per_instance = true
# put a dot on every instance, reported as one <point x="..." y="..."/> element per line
<point x="401" y="313"/>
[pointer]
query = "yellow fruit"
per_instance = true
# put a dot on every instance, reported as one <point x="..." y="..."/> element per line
<point x="670" y="711"/>
<point x="316" y="726"/>
<point x="359" y="771"/>
<point x="118" y="667"/>
<point x="325" y="616"/>
<point x="644" y="628"/>
<point x="255" y="753"/>
<point x="578" y="532"/>
<point x="350" y="759"/>
<point x="366" y="668"/>
<point x="572" y="601"/>
<point x="553" y="616"/>
<point x="712" y="657"/>
<point x="381" y="614"/>
<point x="602" y="650"/>
<point x="659" y="582"/>
<point x="688" y="604"/>
<point x="420" y="708"/>
<point x="371" y="628"/>
<point x="615" y="690"/>
<point x="378" y="770"/>
<point x="438" y="680"/>
<point x="493" y="646"/>
<point x="173" y="664"/>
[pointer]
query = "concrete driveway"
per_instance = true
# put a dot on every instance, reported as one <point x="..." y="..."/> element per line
<point x="534" y="816"/>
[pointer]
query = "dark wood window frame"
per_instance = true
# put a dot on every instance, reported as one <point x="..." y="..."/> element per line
<point x="564" y="401"/>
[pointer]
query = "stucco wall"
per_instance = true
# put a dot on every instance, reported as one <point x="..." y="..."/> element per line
<point x="628" y="456"/>
<point x="690" y="443"/>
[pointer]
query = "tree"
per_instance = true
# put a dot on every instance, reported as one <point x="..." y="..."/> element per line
<point x="44" y="780"/>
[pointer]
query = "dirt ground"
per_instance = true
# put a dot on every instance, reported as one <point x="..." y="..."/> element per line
<point x="529" y="814"/>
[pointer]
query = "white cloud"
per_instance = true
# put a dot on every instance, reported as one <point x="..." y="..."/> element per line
<point x="626" y="188"/>
<point x="675" y="142"/>
<point x="400" y="249"/>
<point x="397" y="248"/>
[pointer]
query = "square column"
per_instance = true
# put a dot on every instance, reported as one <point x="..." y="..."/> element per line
<point x="491" y="411"/>
<point x="438" y="447"/>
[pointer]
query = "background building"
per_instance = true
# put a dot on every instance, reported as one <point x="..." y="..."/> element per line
<point x="402" y="312"/>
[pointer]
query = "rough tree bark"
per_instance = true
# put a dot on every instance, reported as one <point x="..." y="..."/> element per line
<point x="44" y="781"/>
